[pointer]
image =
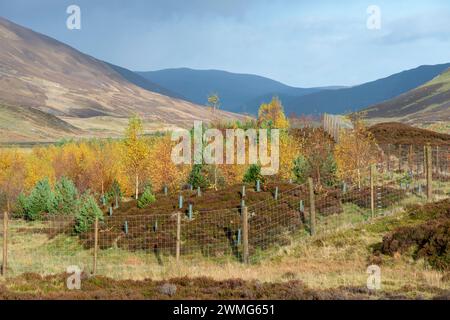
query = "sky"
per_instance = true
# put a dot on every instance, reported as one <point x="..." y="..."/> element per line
<point x="300" y="43"/>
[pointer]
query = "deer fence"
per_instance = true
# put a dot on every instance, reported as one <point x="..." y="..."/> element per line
<point x="129" y="244"/>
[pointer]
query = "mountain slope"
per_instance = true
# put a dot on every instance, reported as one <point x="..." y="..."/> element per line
<point x="39" y="72"/>
<point x="237" y="91"/>
<point x="358" y="97"/>
<point x="426" y="104"/>
<point x="34" y="125"/>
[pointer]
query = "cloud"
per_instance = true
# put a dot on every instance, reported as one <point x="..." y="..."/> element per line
<point x="433" y="26"/>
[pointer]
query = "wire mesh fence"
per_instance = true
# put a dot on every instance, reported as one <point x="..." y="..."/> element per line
<point x="138" y="244"/>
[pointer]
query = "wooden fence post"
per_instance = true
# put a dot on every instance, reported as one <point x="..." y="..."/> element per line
<point x="372" y="190"/>
<point x="429" y="174"/>
<point x="389" y="157"/>
<point x="438" y="170"/>
<point x="312" y="207"/>
<point x="425" y="160"/>
<point x="178" y="249"/>
<point x="94" y="269"/>
<point x="410" y="158"/>
<point x="245" y="234"/>
<point x="5" y="243"/>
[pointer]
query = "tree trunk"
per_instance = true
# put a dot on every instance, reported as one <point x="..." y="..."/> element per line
<point x="137" y="186"/>
<point x="103" y="189"/>
<point x="359" y="178"/>
<point x="215" y="177"/>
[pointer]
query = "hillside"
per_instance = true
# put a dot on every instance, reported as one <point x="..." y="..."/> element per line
<point x="33" y="125"/>
<point x="427" y="104"/>
<point x="41" y="73"/>
<point x="358" y="97"/>
<point x="398" y="133"/>
<point x="237" y="91"/>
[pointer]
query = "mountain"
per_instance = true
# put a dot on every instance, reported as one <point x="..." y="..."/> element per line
<point x="140" y="81"/>
<point x="427" y="104"/>
<point x="237" y="92"/>
<point x="361" y="96"/>
<point x="245" y="93"/>
<point x="41" y="73"/>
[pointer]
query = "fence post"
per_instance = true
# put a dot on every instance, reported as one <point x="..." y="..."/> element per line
<point x="312" y="207"/>
<point x="410" y="158"/>
<point x="94" y="269"/>
<point x="245" y="233"/>
<point x="5" y="243"/>
<point x="389" y="157"/>
<point x="372" y="190"/>
<point x="429" y="174"/>
<point x="425" y="160"/>
<point x="178" y="236"/>
<point x="438" y="171"/>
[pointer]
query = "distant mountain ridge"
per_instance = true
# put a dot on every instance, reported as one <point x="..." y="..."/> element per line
<point x="140" y="81"/>
<point x="237" y="91"/>
<point x="245" y="93"/>
<point x="359" y="97"/>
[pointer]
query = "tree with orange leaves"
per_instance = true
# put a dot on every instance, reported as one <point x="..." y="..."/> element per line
<point x="12" y="174"/>
<point x="356" y="149"/>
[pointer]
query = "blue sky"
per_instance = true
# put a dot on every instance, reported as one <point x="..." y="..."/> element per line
<point x="301" y="43"/>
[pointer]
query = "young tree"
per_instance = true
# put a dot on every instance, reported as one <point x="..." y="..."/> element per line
<point x="356" y="149"/>
<point x="103" y="165"/>
<point x="253" y="174"/>
<point x="146" y="198"/>
<point x="271" y="115"/>
<point x="290" y="148"/>
<point x="65" y="201"/>
<point x="88" y="211"/>
<point x="136" y="149"/>
<point x="318" y="152"/>
<point x="162" y="171"/>
<point x="214" y="101"/>
<point x="40" y="200"/>
<point x="197" y="177"/>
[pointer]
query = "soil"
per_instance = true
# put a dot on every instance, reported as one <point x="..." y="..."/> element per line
<point x="33" y="286"/>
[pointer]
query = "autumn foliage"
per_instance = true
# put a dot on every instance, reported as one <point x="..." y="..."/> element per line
<point x="99" y="167"/>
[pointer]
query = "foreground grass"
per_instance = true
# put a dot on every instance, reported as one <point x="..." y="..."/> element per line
<point x="329" y="261"/>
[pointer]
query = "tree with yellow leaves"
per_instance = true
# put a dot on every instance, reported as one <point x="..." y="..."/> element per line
<point x="214" y="101"/>
<point x="39" y="166"/>
<point x="136" y="150"/>
<point x="290" y="149"/>
<point x="271" y="115"/>
<point x="356" y="149"/>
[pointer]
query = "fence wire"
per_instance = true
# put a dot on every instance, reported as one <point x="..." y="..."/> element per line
<point x="137" y="244"/>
